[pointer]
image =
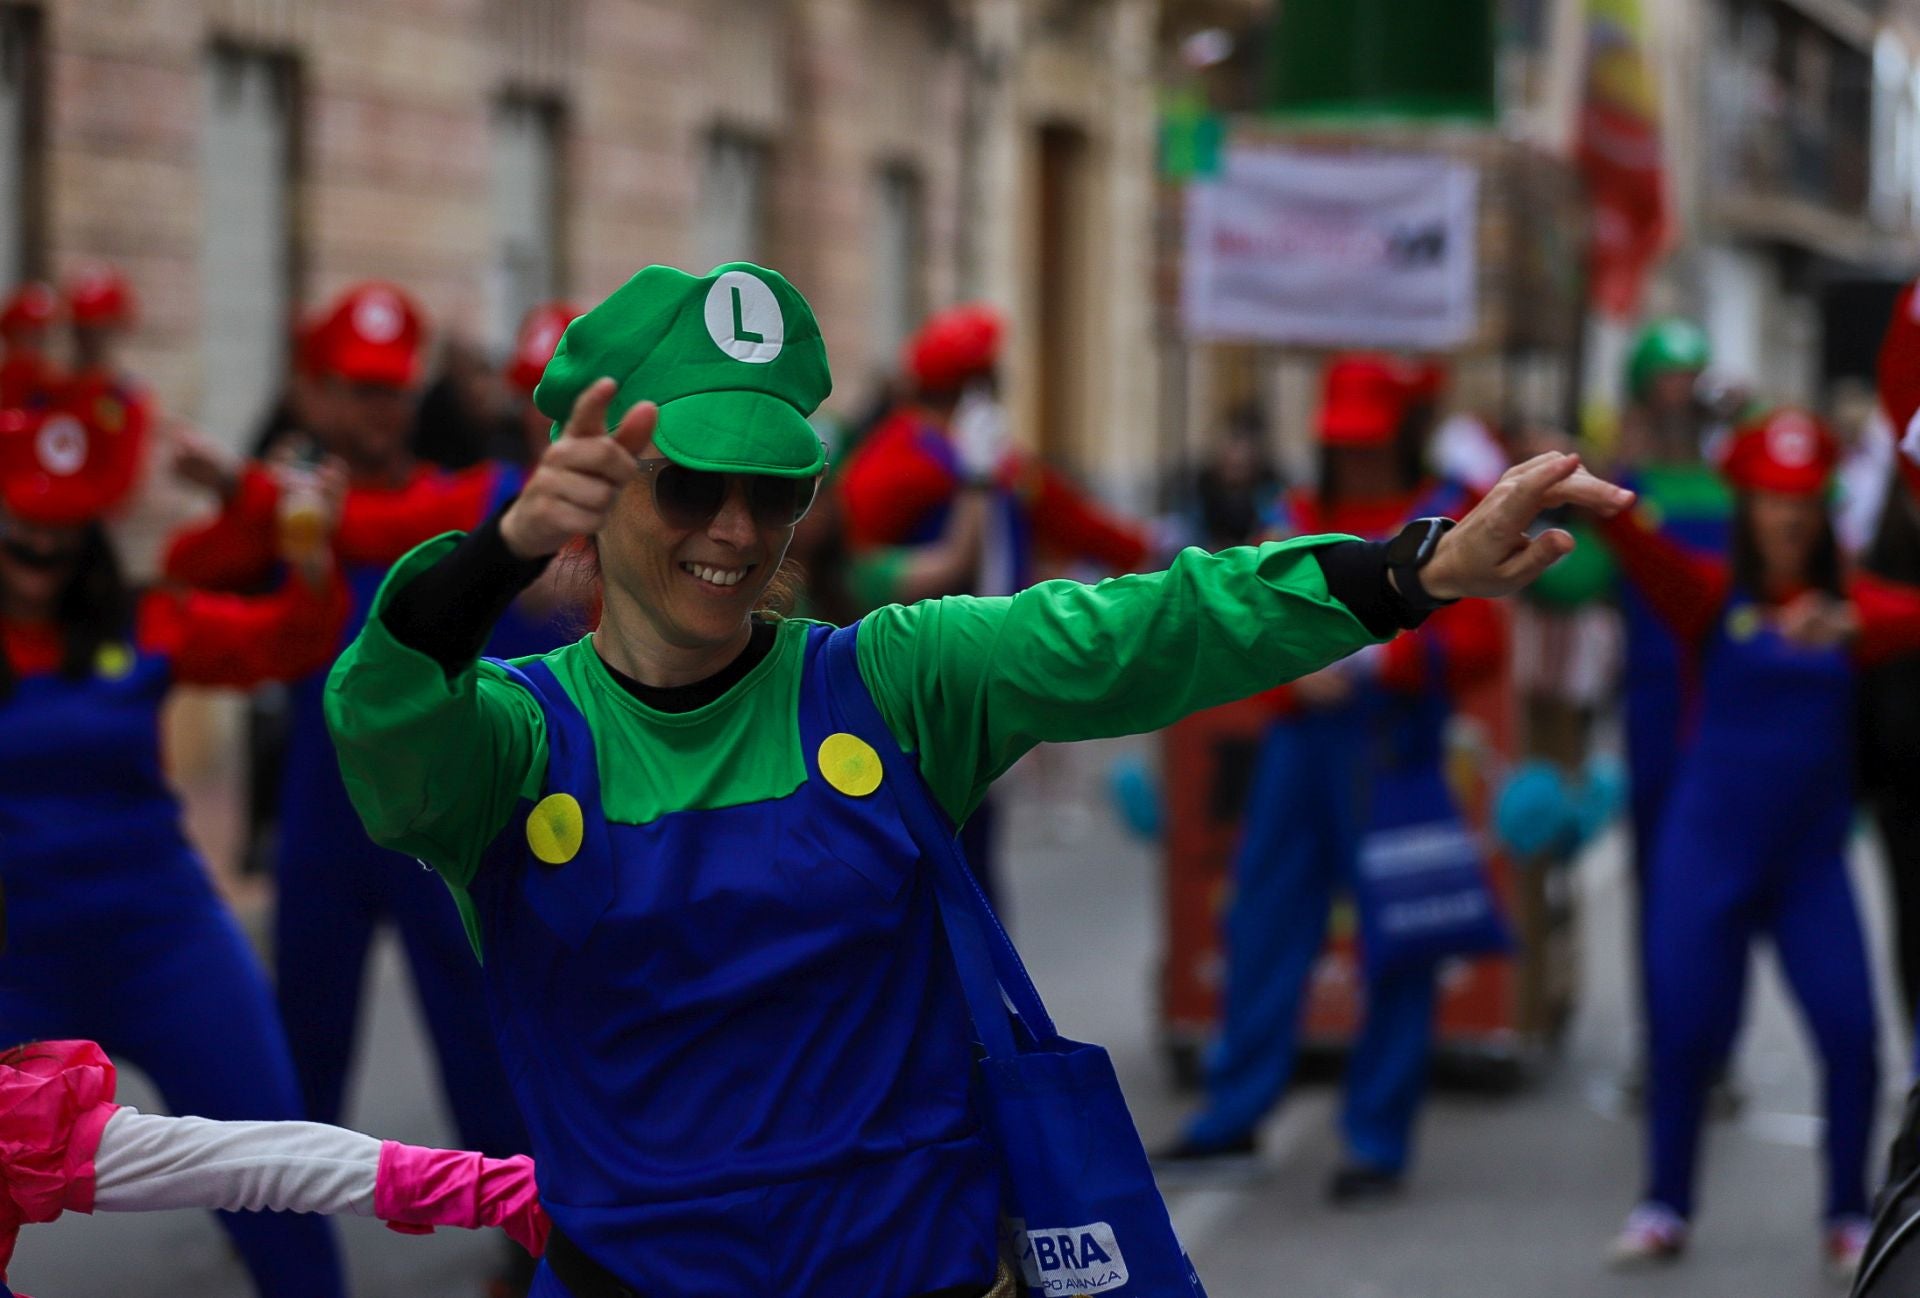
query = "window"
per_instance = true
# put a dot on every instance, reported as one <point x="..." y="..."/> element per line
<point x="1891" y="178"/>
<point x="897" y="304"/>
<point x="526" y="213"/>
<point x="733" y="201"/>
<point x="247" y="249"/>
<point x="19" y="156"/>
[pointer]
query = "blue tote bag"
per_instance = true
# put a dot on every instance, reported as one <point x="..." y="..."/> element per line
<point x="1083" y="1215"/>
<point x="1420" y="879"/>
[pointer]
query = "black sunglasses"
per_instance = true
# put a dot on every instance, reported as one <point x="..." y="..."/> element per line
<point x="690" y="498"/>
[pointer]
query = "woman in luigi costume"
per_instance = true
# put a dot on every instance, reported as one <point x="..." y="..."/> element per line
<point x="718" y="975"/>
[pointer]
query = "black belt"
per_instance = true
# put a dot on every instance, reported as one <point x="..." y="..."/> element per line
<point x="586" y="1278"/>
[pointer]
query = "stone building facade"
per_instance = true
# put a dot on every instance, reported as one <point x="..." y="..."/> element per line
<point x="244" y="158"/>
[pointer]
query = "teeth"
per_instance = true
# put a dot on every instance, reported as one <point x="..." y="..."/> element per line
<point x="718" y="576"/>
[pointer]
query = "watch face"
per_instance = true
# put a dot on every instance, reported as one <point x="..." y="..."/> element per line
<point x="1405" y="548"/>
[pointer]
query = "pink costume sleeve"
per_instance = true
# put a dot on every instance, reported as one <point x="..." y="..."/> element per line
<point x="420" y="1188"/>
<point x="55" y="1099"/>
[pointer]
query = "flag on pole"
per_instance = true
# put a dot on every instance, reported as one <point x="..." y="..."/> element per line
<point x="1619" y="155"/>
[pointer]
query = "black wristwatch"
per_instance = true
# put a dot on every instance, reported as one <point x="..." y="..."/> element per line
<point x="1408" y="552"/>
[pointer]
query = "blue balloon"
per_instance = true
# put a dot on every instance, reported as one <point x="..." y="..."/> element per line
<point x="1533" y="817"/>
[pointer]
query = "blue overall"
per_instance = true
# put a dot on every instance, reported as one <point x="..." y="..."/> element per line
<point x="1654" y="681"/>
<point x="114" y="933"/>
<point x="336" y="885"/>
<point x="738" y="1037"/>
<point x="1312" y="794"/>
<point x="1754" y="843"/>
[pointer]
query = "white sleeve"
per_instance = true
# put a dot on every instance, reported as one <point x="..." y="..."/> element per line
<point x="147" y="1162"/>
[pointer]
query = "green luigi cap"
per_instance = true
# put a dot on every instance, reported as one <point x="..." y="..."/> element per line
<point x="1662" y="347"/>
<point x="734" y="360"/>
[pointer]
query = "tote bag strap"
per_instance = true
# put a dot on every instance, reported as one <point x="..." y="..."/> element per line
<point x="991" y="973"/>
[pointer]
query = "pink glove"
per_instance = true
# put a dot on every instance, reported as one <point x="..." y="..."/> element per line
<point x="55" y="1099"/>
<point x="417" y="1189"/>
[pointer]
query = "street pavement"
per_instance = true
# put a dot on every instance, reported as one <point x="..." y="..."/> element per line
<point x="1512" y="1197"/>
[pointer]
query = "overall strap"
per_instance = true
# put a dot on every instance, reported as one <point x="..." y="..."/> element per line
<point x="571" y="765"/>
<point x="585" y="882"/>
<point x="991" y="973"/>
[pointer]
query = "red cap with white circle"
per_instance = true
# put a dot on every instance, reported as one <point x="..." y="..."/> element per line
<point x="1788" y="450"/>
<point x="373" y="333"/>
<point x="56" y="469"/>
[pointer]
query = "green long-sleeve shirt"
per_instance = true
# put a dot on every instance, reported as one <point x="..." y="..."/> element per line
<point x="435" y="762"/>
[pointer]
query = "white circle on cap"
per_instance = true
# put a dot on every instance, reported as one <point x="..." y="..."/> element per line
<point x="61" y="446"/>
<point x="1791" y="441"/>
<point x="378" y="318"/>
<point x="743" y="318"/>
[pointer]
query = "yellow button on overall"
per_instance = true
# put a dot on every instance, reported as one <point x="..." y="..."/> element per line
<point x="555" y="827"/>
<point x="849" y="764"/>
<point x="113" y="662"/>
<point x="1743" y="622"/>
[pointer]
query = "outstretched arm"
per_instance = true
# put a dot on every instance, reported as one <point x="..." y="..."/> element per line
<point x="150" y="1163"/>
<point x="1685" y="590"/>
<point x="1888" y="618"/>
<point x="1067" y="522"/>
<point x="972" y="684"/>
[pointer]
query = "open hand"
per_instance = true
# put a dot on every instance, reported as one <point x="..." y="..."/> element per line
<point x="1490" y="554"/>
<point x="1816" y="621"/>
<point x="573" y="489"/>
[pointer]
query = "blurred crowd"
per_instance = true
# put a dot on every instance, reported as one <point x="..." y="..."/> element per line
<point x="1753" y="624"/>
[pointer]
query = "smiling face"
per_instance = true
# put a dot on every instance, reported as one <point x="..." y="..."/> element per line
<point x="691" y="590"/>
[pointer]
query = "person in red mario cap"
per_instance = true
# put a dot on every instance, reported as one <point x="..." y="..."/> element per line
<point x="362" y="361"/>
<point x="1305" y="830"/>
<point x="1753" y="841"/>
<point x="28" y="375"/>
<point x="899" y="484"/>
<point x="112" y="929"/>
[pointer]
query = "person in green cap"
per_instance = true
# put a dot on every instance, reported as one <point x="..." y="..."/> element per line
<point x="1663" y="435"/>
<point x="713" y="957"/>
